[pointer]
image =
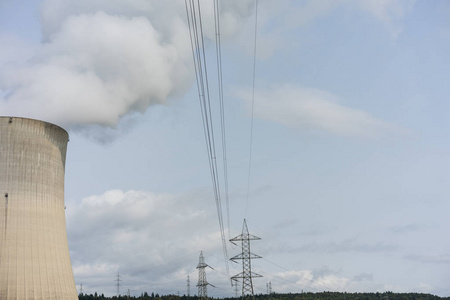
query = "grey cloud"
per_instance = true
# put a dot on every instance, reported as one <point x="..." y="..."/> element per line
<point x="344" y="246"/>
<point x="323" y="271"/>
<point x="405" y="228"/>
<point x="350" y="245"/>
<point x="135" y="232"/>
<point x="363" y="277"/>
<point x="430" y="259"/>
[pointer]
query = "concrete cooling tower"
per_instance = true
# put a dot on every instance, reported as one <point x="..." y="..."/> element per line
<point x="34" y="253"/>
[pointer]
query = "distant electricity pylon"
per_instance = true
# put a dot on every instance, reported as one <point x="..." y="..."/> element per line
<point x="202" y="282"/>
<point x="188" y="287"/>
<point x="269" y="288"/>
<point x="236" y="288"/>
<point x="246" y="256"/>
<point x="118" y="284"/>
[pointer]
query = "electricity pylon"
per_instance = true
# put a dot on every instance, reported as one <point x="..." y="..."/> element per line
<point x="188" y="287"/>
<point x="269" y="288"/>
<point x="202" y="282"/>
<point x="118" y="284"/>
<point x="236" y="287"/>
<point x="246" y="256"/>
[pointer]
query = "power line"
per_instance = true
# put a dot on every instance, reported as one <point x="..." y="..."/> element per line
<point x="222" y="108"/>
<point x="253" y="105"/>
<point x="193" y="12"/>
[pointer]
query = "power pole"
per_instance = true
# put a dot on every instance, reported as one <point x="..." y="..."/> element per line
<point x="81" y="289"/>
<point x="246" y="256"/>
<point x="202" y="282"/>
<point x="188" y="287"/>
<point x="118" y="284"/>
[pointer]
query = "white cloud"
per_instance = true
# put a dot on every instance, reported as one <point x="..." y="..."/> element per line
<point x="312" y="281"/>
<point x="276" y="19"/>
<point x="324" y="279"/>
<point x="389" y="12"/>
<point x="135" y="232"/>
<point x="308" y="109"/>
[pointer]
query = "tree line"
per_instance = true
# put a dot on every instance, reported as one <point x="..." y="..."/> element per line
<point x="277" y="296"/>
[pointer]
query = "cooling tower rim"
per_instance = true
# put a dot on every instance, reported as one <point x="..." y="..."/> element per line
<point x="36" y="120"/>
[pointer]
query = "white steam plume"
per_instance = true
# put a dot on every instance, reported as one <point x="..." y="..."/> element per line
<point x="104" y="59"/>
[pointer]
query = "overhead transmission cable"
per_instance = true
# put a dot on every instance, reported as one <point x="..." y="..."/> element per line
<point x="194" y="19"/>
<point x="253" y="105"/>
<point x="222" y="108"/>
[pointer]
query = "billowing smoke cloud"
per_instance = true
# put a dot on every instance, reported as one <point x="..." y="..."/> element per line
<point x="102" y="60"/>
<point x="96" y="68"/>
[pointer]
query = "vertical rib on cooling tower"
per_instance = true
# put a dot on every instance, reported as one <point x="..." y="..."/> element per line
<point x="34" y="254"/>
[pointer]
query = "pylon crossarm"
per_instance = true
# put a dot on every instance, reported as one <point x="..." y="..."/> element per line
<point x="253" y="237"/>
<point x="237" y="239"/>
<point x="204" y="284"/>
<point x="256" y="275"/>
<point x="253" y="255"/>
<point x="237" y="257"/>
<point x="240" y="275"/>
<point x="245" y="256"/>
<point x="245" y="237"/>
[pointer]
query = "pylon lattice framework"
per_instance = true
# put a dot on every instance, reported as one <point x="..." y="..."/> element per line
<point x="202" y="282"/>
<point x="246" y="256"/>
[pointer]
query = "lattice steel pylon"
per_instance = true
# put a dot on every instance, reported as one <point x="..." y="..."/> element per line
<point x="202" y="282"/>
<point x="246" y="256"/>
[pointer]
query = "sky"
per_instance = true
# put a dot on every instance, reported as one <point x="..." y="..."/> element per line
<point x="348" y="185"/>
